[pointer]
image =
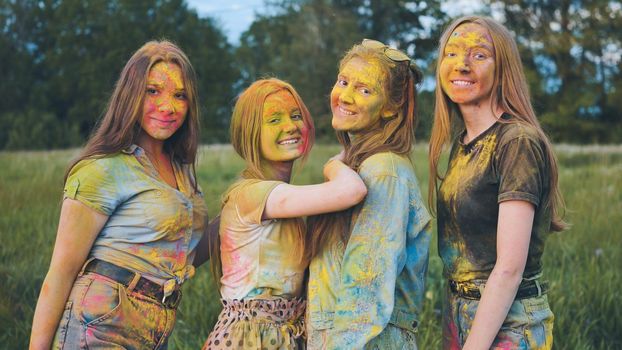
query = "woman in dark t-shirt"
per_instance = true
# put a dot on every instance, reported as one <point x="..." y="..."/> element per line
<point x="499" y="197"/>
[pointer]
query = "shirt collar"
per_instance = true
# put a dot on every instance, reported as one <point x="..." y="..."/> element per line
<point x="130" y="150"/>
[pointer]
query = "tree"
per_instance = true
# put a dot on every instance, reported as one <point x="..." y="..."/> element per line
<point x="571" y="50"/>
<point x="303" y="41"/>
<point x="65" y="55"/>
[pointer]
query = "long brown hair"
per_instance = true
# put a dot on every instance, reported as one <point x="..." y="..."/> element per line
<point x="510" y="92"/>
<point x="120" y="127"/>
<point x="396" y="134"/>
<point x="245" y="131"/>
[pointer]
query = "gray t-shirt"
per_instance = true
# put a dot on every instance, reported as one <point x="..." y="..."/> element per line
<point x="505" y="162"/>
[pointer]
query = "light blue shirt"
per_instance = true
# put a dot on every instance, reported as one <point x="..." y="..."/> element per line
<point x="152" y="227"/>
<point x="377" y="278"/>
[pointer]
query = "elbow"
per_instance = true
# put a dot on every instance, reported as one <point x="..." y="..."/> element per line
<point x="356" y="193"/>
<point x="360" y="191"/>
<point x="510" y="275"/>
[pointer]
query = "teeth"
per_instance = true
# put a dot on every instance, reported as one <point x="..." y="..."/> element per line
<point x="288" y="142"/>
<point x="462" y="82"/>
<point x="346" y="112"/>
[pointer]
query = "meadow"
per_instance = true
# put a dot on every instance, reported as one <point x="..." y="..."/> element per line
<point x="583" y="264"/>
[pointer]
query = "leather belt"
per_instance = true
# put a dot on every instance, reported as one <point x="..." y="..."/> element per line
<point x="527" y="289"/>
<point x="143" y="286"/>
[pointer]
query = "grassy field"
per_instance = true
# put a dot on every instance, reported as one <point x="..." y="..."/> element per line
<point x="582" y="264"/>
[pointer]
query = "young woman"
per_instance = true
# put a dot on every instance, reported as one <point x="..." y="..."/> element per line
<point x="261" y="248"/>
<point x="367" y="278"/>
<point x="131" y="216"/>
<point x="498" y="199"/>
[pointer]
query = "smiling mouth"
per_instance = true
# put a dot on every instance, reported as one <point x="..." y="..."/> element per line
<point x="289" y="141"/>
<point x="345" y="111"/>
<point x="462" y="82"/>
<point x="170" y="121"/>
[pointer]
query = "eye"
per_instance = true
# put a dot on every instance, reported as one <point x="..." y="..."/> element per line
<point x="296" y="116"/>
<point x="342" y="82"/>
<point x="273" y="120"/>
<point x="365" y="91"/>
<point x="480" y="56"/>
<point x="181" y="96"/>
<point x="151" y="91"/>
<point x="450" y="54"/>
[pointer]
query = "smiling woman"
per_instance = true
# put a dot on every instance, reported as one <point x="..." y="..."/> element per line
<point x="367" y="274"/>
<point x="131" y="217"/>
<point x="498" y="199"/>
<point x="259" y="255"/>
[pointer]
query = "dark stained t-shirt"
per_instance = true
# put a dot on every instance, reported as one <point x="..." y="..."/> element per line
<point x="505" y="162"/>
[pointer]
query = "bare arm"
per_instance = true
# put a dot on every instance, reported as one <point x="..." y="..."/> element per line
<point x="513" y="235"/>
<point x="78" y="227"/>
<point x="343" y="189"/>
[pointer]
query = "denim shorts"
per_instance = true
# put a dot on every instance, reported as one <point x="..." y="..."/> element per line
<point x="528" y="325"/>
<point x="101" y="314"/>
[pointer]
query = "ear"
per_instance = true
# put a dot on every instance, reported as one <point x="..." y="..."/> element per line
<point x="388" y="113"/>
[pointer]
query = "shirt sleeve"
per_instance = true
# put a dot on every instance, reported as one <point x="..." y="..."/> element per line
<point x="252" y="197"/>
<point x="373" y="258"/>
<point x="92" y="182"/>
<point x="522" y="171"/>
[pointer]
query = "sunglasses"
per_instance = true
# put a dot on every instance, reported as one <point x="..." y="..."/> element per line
<point x="394" y="54"/>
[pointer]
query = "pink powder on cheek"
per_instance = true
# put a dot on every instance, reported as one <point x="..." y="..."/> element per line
<point x="305" y="139"/>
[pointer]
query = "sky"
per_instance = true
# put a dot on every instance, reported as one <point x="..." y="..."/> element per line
<point x="236" y="16"/>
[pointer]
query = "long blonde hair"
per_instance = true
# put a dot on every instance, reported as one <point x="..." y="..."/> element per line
<point x="510" y="93"/>
<point x="396" y="134"/>
<point x="120" y="127"/>
<point x="245" y="131"/>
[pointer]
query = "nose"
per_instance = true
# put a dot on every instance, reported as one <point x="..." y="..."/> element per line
<point x="345" y="96"/>
<point x="289" y="126"/>
<point x="463" y="65"/>
<point x="166" y="105"/>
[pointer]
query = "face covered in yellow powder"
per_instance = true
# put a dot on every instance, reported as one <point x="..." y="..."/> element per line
<point x="357" y="98"/>
<point x="467" y="68"/>
<point x="283" y="130"/>
<point x="166" y="103"/>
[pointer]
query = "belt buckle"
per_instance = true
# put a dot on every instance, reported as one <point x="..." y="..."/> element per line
<point x="172" y="300"/>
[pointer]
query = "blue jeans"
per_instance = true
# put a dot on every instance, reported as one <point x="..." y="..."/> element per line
<point x="103" y="314"/>
<point x="528" y="325"/>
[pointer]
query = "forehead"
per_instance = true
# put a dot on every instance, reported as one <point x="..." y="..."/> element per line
<point x="470" y="34"/>
<point x="363" y="71"/>
<point x="279" y="101"/>
<point x="163" y="71"/>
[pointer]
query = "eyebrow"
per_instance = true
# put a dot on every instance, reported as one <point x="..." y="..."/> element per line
<point x="477" y="46"/>
<point x="366" y="83"/>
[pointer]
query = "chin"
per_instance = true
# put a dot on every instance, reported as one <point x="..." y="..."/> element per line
<point x="337" y="125"/>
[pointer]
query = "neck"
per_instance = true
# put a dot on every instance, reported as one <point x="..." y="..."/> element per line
<point x="478" y="118"/>
<point x="281" y="171"/>
<point x="152" y="147"/>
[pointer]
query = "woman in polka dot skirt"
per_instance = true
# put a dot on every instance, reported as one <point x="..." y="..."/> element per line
<point x="261" y="240"/>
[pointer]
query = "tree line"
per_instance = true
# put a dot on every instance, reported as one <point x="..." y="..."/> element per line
<point x="60" y="59"/>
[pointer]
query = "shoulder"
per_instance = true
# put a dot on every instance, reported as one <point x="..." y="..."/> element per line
<point x="250" y="188"/>
<point x="106" y="165"/>
<point x="385" y="164"/>
<point x="515" y="130"/>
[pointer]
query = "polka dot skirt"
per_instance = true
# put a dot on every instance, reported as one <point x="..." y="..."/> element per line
<point x="269" y="324"/>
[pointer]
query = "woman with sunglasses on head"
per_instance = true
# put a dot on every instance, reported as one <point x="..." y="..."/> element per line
<point x="259" y="254"/>
<point x="131" y="217"/>
<point x="367" y="275"/>
<point x="498" y="199"/>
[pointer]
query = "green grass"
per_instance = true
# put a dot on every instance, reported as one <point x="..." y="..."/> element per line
<point x="582" y="264"/>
